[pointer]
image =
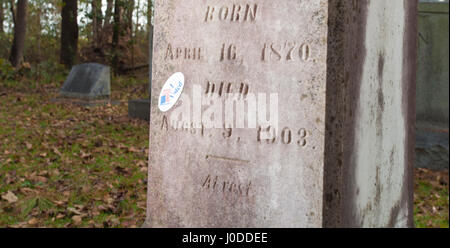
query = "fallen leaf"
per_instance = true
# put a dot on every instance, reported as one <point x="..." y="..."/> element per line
<point x="55" y="172"/>
<point x="33" y="221"/>
<point x="39" y="179"/>
<point x="73" y="210"/>
<point x="27" y="191"/>
<point x="57" y="152"/>
<point x="77" y="219"/>
<point x="134" y="150"/>
<point x="142" y="163"/>
<point x="86" y="155"/>
<point x="10" y="197"/>
<point x="10" y="179"/>
<point x="29" y="145"/>
<point x="59" y="203"/>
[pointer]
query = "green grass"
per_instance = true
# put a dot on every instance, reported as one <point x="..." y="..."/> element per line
<point x="55" y="158"/>
<point x="431" y="199"/>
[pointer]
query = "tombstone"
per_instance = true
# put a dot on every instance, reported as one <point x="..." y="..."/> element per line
<point x="88" y="81"/>
<point x="87" y="84"/>
<point x="432" y="149"/>
<point x="326" y="137"/>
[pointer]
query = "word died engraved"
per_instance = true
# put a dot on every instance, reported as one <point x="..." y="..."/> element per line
<point x="222" y="89"/>
<point x="235" y="13"/>
<point x="182" y="53"/>
<point x="286" y="136"/>
<point x="289" y="51"/>
<point x="215" y="184"/>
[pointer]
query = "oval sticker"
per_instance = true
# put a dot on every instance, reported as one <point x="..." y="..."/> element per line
<point x="171" y="92"/>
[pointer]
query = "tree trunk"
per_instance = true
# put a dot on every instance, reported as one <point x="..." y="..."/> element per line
<point x="97" y="17"/>
<point x="129" y="15"/>
<point x="130" y="24"/>
<point x="94" y="22"/>
<point x="69" y="33"/>
<point x="149" y="15"/>
<point x="2" y="16"/>
<point x="108" y="13"/>
<point x="13" y="15"/>
<point x="116" y="34"/>
<point x="20" y="28"/>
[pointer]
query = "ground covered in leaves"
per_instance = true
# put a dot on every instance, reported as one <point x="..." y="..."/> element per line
<point x="69" y="166"/>
<point x="431" y="198"/>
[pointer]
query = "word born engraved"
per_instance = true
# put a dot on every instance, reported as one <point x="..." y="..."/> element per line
<point x="289" y="51"/>
<point x="182" y="53"/>
<point x="222" y="89"/>
<point x="215" y="184"/>
<point x="235" y="13"/>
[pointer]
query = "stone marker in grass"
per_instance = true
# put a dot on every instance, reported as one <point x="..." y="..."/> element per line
<point x="326" y="134"/>
<point x="87" y="84"/>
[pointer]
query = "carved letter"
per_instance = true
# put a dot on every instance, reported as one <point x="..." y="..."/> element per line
<point x="207" y="182"/>
<point x="250" y="13"/>
<point x="209" y="14"/>
<point x="179" y="52"/>
<point x="165" y="124"/>
<point x="169" y="52"/>
<point x="235" y="16"/>
<point x="187" y="53"/>
<point x="223" y="13"/>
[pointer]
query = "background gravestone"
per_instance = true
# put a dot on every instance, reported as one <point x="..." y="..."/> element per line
<point x="88" y="82"/>
<point x="345" y="75"/>
<point x="432" y="147"/>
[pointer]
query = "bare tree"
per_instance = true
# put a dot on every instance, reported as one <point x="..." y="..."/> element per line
<point x="2" y="16"/>
<point x="20" y="28"/>
<point x="108" y="13"/>
<point x="97" y="17"/>
<point x="69" y="32"/>
<point x="118" y="7"/>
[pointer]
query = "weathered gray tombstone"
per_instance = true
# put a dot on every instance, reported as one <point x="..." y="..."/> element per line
<point x="88" y="82"/>
<point x="139" y="109"/>
<point x="342" y="155"/>
<point x="432" y="148"/>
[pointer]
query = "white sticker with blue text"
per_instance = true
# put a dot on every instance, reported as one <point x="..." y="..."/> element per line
<point x="171" y="92"/>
